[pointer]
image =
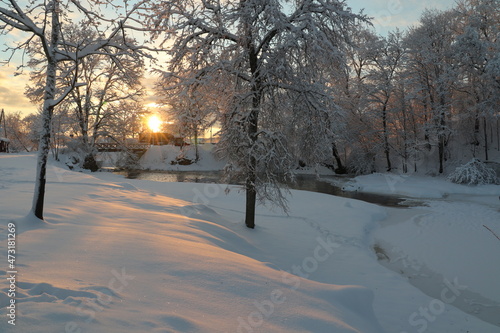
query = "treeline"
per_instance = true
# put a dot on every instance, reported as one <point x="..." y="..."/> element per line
<point x="288" y="82"/>
<point x="426" y="96"/>
<point x="424" y="99"/>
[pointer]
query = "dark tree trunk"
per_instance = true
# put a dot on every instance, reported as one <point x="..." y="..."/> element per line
<point x="441" y="139"/>
<point x="498" y="134"/>
<point x="426" y="118"/>
<point x="251" y="190"/>
<point x="252" y="127"/>
<point x="475" y="141"/>
<point x="441" y="154"/>
<point x="386" y="136"/>
<point x="251" y="199"/>
<point x="388" y="158"/>
<point x="486" y="145"/>
<point x="196" y="150"/>
<point x="405" y="132"/>
<point x="405" y="153"/>
<point x="341" y="169"/>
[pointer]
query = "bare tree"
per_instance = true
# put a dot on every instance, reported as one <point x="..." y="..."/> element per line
<point x="265" y="59"/>
<point x="23" y="132"/>
<point x="430" y="56"/>
<point x="359" y="136"/>
<point x="44" y="22"/>
<point x="124" y="121"/>
<point x="476" y="54"/>
<point x="386" y="64"/>
<point x="192" y="106"/>
<point x="107" y="81"/>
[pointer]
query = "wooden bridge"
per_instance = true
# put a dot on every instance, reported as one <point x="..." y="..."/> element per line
<point x="133" y="147"/>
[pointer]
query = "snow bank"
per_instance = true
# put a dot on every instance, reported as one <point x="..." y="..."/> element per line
<point x="160" y="158"/>
<point x="141" y="256"/>
<point x="415" y="186"/>
<point x="116" y="258"/>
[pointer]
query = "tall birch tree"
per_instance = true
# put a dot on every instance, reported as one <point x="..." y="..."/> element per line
<point x="43" y="22"/>
<point x="106" y="81"/>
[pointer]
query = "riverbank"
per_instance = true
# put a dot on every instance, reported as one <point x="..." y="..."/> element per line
<point x="304" y="181"/>
<point x="165" y="158"/>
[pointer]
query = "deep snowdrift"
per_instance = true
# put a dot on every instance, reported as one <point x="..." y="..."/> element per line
<point x="138" y="256"/>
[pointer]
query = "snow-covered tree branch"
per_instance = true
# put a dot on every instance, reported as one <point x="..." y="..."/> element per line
<point x="266" y="63"/>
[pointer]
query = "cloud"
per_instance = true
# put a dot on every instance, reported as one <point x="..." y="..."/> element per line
<point x="12" y="97"/>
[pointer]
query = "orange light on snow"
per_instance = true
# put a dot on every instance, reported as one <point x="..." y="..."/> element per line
<point x="154" y="123"/>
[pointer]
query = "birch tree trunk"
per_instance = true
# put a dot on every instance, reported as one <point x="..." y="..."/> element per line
<point x="48" y="110"/>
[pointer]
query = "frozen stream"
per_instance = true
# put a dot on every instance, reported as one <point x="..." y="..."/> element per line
<point x="426" y="278"/>
<point x="434" y="279"/>
<point x="303" y="182"/>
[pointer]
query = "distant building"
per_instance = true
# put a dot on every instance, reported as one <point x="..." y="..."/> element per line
<point x="4" y="145"/>
<point x="4" y="142"/>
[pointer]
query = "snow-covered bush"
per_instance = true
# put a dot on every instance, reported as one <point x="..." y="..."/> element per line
<point x="79" y="155"/>
<point x="89" y="163"/>
<point x="474" y="172"/>
<point x="361" y="163"/>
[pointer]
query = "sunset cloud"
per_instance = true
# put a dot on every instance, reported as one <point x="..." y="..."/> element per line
<point x="12" y="87"/>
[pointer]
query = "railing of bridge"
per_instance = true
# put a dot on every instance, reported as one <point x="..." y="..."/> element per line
<point x="115" y="146"/>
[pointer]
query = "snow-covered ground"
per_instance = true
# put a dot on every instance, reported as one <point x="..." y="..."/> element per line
<point x="118" y="255"/>
<point x="452" y="233"/>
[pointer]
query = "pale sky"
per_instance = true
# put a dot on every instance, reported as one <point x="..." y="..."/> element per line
<point x="391" y="14"/>
<point x="387" y="15"/>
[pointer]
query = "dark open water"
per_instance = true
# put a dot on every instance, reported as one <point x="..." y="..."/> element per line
<point x="302" y="182"/>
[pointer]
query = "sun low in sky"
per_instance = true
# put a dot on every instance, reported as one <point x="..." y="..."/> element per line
<point x="154" y="123"/>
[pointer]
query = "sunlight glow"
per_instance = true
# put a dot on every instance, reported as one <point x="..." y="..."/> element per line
<point x="154" y="123"/>
<point x="153" y="105"/>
